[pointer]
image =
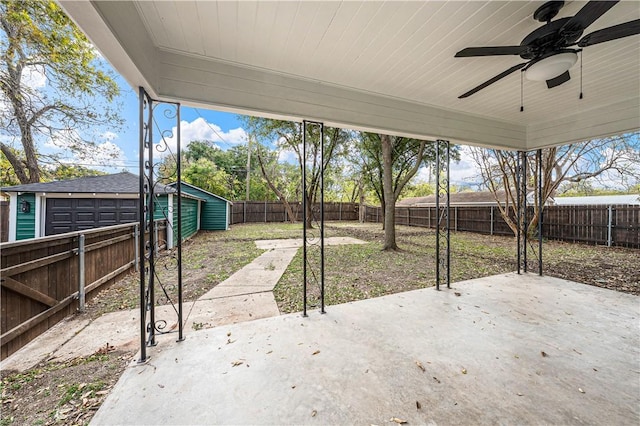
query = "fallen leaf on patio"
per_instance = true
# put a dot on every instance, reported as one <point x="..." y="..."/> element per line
<point x="464" y="371"/>
<point x="418" y="405"/>
<point x="228" y="333"/>
<point x="397" y="420"/>
<point x="269" y="352"/>
<point x="316" y="352"/>
<point x="237" y="363"/>
<point x="579" y="353"/>
<point x="457" y="294"/>
<point x="436" y="379"/>
<point x="580" y="389"/>
<point x="313" y="413"/>
<point x="519" y="394"/>
<point x="459" y="308"/>
<point x="160" y="386"/>
<point x="420" y="366"/>
<point x="544" y="354"/>
<point x="293" y="386"/>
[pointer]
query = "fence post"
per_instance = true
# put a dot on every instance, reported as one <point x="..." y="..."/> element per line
<point x="136" y="236"/>
<point x="340" y="211"/>
<point x="491" y="231"/>
<point x="265" y="211"/>
<point x="429" y="217"/>
<point x="408" y="216"/>
<point x="244" y="212"/>
<point x="455" y="221"/>
<point x="609" y="226"/>
<point x="377" y="213"/>
<point x="81" y="278"/>
<point x="155" y="234"/>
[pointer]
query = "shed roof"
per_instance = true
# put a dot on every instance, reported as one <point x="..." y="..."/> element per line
<point x="122" y="183"/>
<point x="173" y="184"/>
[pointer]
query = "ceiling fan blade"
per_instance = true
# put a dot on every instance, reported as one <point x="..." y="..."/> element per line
<point x="611" y="33"/>
<point x="491" y="51"/>
<point x="557" y="81"/>
<point x="588" y="15"/>
<point x="493" y="80"/>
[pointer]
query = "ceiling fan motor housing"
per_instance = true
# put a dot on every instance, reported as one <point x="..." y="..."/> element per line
<point x="548" y="38"/>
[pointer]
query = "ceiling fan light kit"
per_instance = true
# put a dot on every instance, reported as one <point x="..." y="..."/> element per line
<point x="551" y="66"/>
<point x="548" y="49"/>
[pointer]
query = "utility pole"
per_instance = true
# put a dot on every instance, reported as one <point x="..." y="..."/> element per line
<point x="248" y="165"/>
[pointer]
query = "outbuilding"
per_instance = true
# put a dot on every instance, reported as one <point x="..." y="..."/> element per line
<point x="50" y="208"/>
<point x="215" y="213"/>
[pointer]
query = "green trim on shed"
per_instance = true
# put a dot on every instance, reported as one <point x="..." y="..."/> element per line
<point x="214" y="212"/>
<point x="26" y="222"/>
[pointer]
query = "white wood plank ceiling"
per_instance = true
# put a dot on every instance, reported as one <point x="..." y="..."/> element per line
<point x="396" y="55"/>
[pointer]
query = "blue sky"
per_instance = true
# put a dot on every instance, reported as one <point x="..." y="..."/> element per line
<point x="197" y="123"/>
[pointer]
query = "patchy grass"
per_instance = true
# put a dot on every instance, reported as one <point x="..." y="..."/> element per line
<point x="359" y="272"/>
<point x="54" y="393"/>
<point x="69" y="393"/>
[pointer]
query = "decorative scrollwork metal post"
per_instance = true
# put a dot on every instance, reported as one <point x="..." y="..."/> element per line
<point x="313" y="226"/>
<point x="443" y="228"/>
<point x="540" y="208"/>
<point x="521" y="195"/>
<point x="160" y="258"/>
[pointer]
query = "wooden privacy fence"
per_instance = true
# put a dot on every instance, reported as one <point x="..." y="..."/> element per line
<point x="43" y="280"/>
<point x="266" y="211"/>
<point x="4" y="221"/>
<point x="617" y="225"/>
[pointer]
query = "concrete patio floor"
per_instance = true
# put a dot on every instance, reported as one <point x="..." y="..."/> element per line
<point x="509" y="349"/>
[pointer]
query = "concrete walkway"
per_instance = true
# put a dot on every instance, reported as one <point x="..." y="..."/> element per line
<point x="246" y="295"/>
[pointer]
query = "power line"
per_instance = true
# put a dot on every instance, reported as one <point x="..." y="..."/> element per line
<point x="212" y="129"/>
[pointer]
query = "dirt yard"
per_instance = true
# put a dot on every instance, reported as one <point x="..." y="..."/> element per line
<point x="69" y="393"/>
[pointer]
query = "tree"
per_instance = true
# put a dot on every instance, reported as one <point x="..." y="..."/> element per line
<point x="572" y="164"/>
<point x="37" y="38"/>
<point x="287" y="137"/>
<point x="389" y="163"/>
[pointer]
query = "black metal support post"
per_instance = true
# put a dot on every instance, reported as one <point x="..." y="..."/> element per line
<point x="156" y="203"/>
<point x="142" y="225"/>
<point x="540" y="208"/>
<point x="304" y="219"/>
<point x="443" y="229"/>
<point x="521" y="195"/>
<point x="313" y="227"/>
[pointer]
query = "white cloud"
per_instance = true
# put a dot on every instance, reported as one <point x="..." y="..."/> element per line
<point x="462" y="172"/>
<point x="200" y="129"/>
<point x="104" y="154"/>
<point x="34" y="77"/>
<point x="466" y="170"/>
<point x="287" y="156"/>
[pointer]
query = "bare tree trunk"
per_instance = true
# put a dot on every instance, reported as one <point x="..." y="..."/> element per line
<point x="389" y="196"/>
<point x="279" y="194"/>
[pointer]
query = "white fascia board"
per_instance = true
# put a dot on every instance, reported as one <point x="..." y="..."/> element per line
<point x="619" y="118"/>
<point x="230" y="87"/>
<point x="39" y="216"/>
<point x="111" y="25"/>
<point x="13" y="215"/>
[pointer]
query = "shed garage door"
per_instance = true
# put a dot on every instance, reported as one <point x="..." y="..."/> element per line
<point x="77" y="214"/>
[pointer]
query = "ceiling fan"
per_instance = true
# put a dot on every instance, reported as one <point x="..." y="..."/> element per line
<point x="548" y="50"/>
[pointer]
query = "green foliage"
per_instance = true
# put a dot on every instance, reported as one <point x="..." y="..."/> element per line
<point x="204" y="174"/>
<point x="37" y="37"/>
<point x="404" y="156"/>
<point x="420" y="189"/>
<point x="68" y="171"/>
